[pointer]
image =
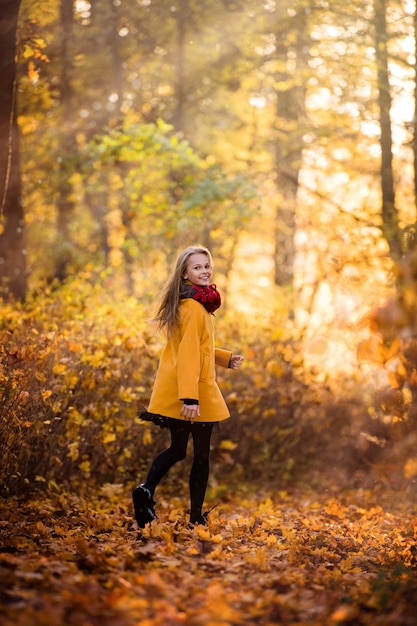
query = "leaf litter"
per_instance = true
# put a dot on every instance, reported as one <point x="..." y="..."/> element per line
<point x="292" y="558"/>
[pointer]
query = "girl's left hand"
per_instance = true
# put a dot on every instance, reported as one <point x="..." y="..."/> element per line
<point x="190" y="412"/>
<point x="235" y="361"/>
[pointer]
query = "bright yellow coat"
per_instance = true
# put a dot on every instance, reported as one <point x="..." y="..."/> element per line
<point x="187" y="368"/>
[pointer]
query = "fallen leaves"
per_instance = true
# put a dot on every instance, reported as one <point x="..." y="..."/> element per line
<point x="298" y="559"/>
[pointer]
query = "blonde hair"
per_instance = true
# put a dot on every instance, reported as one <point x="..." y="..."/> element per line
<point x="167" y="315"/>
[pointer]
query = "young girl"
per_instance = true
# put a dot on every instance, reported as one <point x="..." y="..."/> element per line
<point x="185" y="397"/>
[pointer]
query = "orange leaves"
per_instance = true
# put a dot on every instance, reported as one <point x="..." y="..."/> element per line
<point x="389" y="318"/>
<point x="33" y="73"/>
<point x="372" y="349"/>
<point x="410" y="468"/>
<point x="344" y="613"/>
<point x="301" y="558"/>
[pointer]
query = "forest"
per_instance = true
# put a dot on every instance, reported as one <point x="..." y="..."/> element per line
<point x="283" y="137"/>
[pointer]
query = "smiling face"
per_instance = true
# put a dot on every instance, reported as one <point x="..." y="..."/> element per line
<point x="199" y="269"/>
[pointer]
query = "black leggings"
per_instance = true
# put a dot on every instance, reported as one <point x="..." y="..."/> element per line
<point x="180" y="432"/>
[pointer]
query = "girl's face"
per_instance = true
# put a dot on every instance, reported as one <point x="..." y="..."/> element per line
<point x="198" y="269"/>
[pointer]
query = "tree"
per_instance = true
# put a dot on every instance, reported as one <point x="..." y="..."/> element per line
<point x="180" y="89"/>
<point x="389" y="210"/>
<point x="161" y="195"/>
<point x="200" y="67"/>
<point x="12" y="250"/>
<point x="67" y="145"/>
<point x="291" y="94"/>
<point x="414" y="125"/>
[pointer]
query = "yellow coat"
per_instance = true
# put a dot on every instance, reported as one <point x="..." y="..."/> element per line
<point x="187" y="368"/>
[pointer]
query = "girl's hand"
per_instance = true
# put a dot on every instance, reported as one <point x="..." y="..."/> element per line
<point x="190" y="412"/>
<point x="235" y="361"/>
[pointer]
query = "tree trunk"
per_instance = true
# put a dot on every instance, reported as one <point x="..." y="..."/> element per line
<point x="415" y="111"/>
<point x="116" y="62"/>
<point x="180" y="89"/>
<point x="12" y="251"/>
<point x="288" y="150"/>
<point x="65" y="205"/>
<point x="390" y="225"/>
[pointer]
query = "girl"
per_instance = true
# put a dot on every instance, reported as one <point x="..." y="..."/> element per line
<point x="185" y="397"/>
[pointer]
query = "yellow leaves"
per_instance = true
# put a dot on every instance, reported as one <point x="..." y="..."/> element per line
<point x="260" y="560"/>
<point x="410" y="468"/>
<point x="96" y="359"/>
<point x="76" y="417"/>
<point x="64" y="369"/>
<point x="147" y="438"/>
<point x="109" y="437"/>
<point x="226" y="444"/>
<point x="47" y="393"/>
<point x="276" y="368"/>
<point x="90" y="380"/>
<point x="85" y="466"/>
<point x="74" y="364"/>
<point x="33" y="49"/>
<point x="127" y="394"/>
<point x="59" y="368"/>
<point x="73" y="452"/>
<point x="260" y="381"/>
<point x="267" y="507"/>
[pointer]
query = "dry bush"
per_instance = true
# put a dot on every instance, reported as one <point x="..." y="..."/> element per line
<point x="73" y="368"/>
<point x="75" y="365"/>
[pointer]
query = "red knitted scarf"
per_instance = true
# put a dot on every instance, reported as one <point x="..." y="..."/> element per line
<point x="209" y="297"/>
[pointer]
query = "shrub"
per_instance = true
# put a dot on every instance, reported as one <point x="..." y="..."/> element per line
<point x="76" y="362"/>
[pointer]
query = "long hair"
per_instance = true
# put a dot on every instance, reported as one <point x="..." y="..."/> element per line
<point x="167" y="315"/>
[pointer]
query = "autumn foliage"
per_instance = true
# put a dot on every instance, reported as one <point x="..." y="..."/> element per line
<point x="76" y="365"/>
<point x="393" y="347"/>
<point x="295" y="557"/>
<point x="306" y="527"/>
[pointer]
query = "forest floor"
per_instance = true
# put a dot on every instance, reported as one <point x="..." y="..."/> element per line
<point x="292" y="558"/>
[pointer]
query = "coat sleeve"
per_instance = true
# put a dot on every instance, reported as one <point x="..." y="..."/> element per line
<point x="189" y="360"/>
<point x="222" y="357"/>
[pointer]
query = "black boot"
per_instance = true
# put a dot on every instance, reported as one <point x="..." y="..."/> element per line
<point x="199" y="519"/>
<point x="144" y="505"/>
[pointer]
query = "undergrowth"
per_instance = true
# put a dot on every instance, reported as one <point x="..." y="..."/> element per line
<point x="76" y="362"/>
